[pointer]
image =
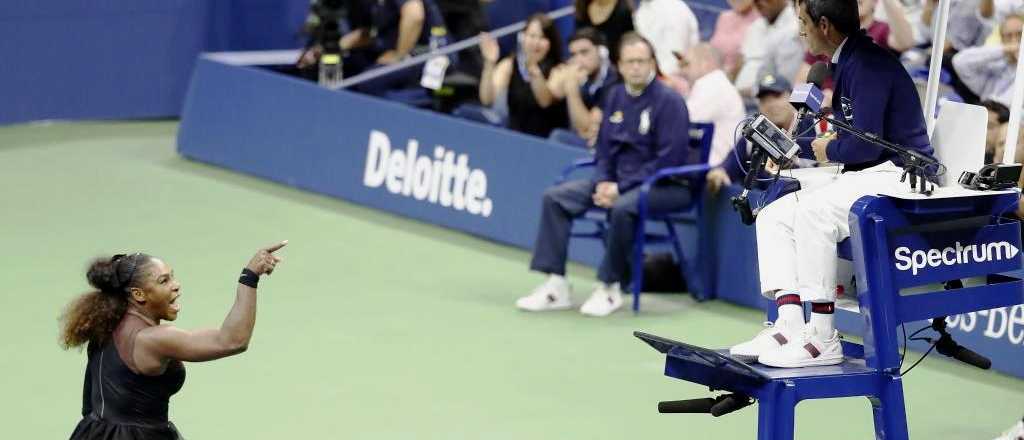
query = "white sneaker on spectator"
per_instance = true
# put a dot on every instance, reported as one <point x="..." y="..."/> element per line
<point x="605" y="300"/>
<point x="553" y="294"/>
<point x="774" y="335"/>
<point x="810" y="350"/>
<point x="1016" y="432"/>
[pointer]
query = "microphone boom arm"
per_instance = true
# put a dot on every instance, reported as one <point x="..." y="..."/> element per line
<point x="915" y="164"/>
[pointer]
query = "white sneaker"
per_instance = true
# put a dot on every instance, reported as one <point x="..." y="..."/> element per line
<point x="1016" y="432"/>
<point x="810" y="350"/>
<point x="774" y="335"/>
<point x="552" y="295"/>
<point x="604" y="301"/>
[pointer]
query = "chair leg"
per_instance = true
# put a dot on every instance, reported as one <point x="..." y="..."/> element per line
<point x="637" y="273"/>
<point x="776" y="413"/>
<point x="889" y="411"/>
<point x="677" y="248"/>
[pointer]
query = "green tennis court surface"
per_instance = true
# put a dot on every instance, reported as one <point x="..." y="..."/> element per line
<point x="373" y="327"/>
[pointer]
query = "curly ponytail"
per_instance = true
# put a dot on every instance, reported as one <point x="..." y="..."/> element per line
<point x="93" y="316"/>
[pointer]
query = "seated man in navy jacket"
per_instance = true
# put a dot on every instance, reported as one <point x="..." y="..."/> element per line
<point x="797" y="234"/>
<point x="644" y="128"/>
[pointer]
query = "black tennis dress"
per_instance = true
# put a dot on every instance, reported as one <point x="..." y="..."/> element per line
<point x="119" y="404"/>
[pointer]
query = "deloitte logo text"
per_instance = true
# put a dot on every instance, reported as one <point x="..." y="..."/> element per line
<point x="1002" y="323"/>
<point x="950" y="256"/>
<point x="445" y="180"/>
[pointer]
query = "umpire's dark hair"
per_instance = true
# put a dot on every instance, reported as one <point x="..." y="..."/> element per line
<point x="842" y="14"/>
<point x="588" y="33"/>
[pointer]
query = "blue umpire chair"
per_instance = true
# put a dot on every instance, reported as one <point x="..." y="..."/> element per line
<point x="700" y="282"/>
<point x="899" y="245"/>
<point x="893" y="245"/>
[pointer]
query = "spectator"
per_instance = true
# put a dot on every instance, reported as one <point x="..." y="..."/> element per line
<point x="465" y="19"/>
<point x="995" y="11"/>
<point x="772" y="43"/>
<point x="998" y="116"/>
<point x="895" y="34"/>
<point x="730" y="30"/>
<point x="612" y="18"/>
<point x="773" y="102"/>
<point x="386" y="32"/>
<point x="521" y="80"/>
<point x="583" y="81"/>
<point x="987" y="72"/>
<point x="670" y="26"/>
<point x="964" y="30"/>
<point x="645" y="128"/>
<point x="1000" y="146"/>
<point x="712" y="97"/>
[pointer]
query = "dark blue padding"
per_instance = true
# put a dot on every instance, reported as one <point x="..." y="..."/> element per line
<point x="124" y="59"/>
<point x="845" y="249"/>
<point x="413" y="97"/>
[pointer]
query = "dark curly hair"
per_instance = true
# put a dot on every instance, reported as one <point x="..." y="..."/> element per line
<point x="93" y="316"/>
<point x="843" y="14"/>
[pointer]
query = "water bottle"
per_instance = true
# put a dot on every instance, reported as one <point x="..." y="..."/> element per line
<point x="330" y="70"/>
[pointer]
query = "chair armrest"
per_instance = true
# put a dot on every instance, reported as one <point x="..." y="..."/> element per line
<point x="680" y="171"/>
<point x="577" y="165"/>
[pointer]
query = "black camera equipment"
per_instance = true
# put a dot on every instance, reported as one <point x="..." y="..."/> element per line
<point x="994" y="176"/>
<point x="768" y="141"/>
<point x="323" y="24"/>
<point x="771" y="142"/>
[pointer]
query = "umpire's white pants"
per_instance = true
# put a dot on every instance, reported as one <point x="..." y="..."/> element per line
<point x="797" y="234"/>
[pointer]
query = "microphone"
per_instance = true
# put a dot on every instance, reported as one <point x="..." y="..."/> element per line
<point x="947" y="346"/>
<point x="818" y="74"/>
<point x="950" y="348"/>
<point x="807" y="98"/>
<point x="969" y="357"/>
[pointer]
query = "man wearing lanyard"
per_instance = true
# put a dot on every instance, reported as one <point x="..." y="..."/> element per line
<point x="644" y="128"/>
<point x="388" y="31"/>
<point x="797" y="234"/>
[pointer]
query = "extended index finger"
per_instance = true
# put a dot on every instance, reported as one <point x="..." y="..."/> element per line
<point x="275" y="247"/>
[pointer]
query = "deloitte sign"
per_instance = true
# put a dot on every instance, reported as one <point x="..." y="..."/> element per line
<point x="444" y="178"/>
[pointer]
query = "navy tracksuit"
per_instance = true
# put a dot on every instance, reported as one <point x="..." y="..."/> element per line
<point x="638" y="136"/>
